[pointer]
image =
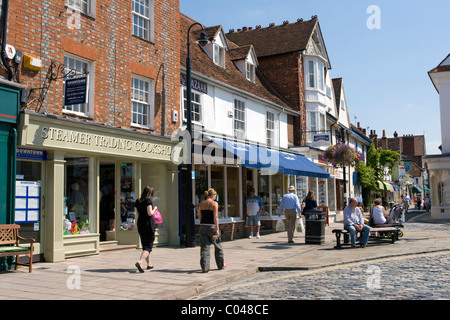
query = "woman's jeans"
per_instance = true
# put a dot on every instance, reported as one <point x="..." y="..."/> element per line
<point x="364" y="234"/>
<point x="206" y="239"/>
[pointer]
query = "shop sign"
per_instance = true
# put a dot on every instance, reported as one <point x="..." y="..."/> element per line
<point x="31" y="154"/>
<point x="93" y="141"/>
<point x="321" y="140"/>
<point x="75" y="91"/>
<point x="195" y="84"/>
<point x="402" y="171"/>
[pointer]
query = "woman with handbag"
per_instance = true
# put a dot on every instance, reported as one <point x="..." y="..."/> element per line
<point x="146" y="225"/>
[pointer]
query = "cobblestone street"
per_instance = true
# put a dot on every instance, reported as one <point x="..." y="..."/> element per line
<point x="422" y="277"/>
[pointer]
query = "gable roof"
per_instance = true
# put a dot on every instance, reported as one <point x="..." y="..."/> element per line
<point x="444" y="66"/>
<point x="273" y="40"/>
<point x="202" y="65"/>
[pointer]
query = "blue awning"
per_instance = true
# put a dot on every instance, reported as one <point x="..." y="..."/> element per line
<point x="254" y="156"/>
<point x="396" y="188"/>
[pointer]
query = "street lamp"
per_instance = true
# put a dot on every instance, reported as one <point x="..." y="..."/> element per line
<point x="189" y="206"/>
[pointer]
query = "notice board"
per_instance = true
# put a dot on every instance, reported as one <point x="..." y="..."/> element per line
<point x="28" y="201"/>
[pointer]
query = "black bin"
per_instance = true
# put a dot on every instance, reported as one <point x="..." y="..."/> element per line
<point x="315" y="226"/>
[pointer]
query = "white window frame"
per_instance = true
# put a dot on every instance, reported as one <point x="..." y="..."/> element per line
<point x="321" y="75"/>
<point x="219" y="55"/>
<point x="144" y="14"/>
<point x="239" y="119"/>
<point x="270" y="128"/>
<point x="77" y="63"/>
<point x="311" y="74"/>
<point x="83" y="6"/>
<point x="250" y="71"/>
<point x="142" y="98"/>
<point x="196" y="104"/>
<point x="319" y="123"/>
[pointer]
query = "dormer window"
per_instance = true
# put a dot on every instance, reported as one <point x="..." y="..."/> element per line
<point x="219" y="55"/>
<point x="250" y="73"/>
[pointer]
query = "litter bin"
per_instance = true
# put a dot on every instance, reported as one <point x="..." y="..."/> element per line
<point x="315" y="226"/>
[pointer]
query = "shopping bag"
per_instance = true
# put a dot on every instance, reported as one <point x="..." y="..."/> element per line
<point x="280" y="225"/>
<point x="157" y="216"/>
<point x="300" y="225"/>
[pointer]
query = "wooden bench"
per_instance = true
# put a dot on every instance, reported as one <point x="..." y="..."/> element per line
<point x="391" y="233"/>
<point x="10" y="246"/>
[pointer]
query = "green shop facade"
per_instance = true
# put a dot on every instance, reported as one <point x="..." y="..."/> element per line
<point x="10" y="97"/>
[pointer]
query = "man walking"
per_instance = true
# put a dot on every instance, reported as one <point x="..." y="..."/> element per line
<point x="354" y="222"/>
<point x="291" y="206"/>
<point x="254" y="208"/>
<point x="406" y="200"/>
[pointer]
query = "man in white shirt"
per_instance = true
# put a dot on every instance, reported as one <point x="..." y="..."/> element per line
<point x="354" y="222"/>
<point x="406" y="200"/>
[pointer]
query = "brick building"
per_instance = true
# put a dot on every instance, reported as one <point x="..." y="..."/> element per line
<point x="89" y="149"/>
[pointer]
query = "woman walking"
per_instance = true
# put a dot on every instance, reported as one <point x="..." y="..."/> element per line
<point x="146" y="225"/>
<point x="207" y="212"/>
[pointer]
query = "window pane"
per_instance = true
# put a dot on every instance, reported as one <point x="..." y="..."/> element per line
<point x="76" y="203"/>
<point x="312" y="80"/>
<point x="233" y="192"/>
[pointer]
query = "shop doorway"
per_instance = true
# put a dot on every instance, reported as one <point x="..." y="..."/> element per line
<point x="107" y="201"/>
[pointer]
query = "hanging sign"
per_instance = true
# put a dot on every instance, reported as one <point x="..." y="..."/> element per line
<point x="75" y="91"/>
<point x="321" y="140"/>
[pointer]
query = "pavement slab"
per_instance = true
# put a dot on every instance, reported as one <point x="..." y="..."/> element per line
<point x="177" y="274"/>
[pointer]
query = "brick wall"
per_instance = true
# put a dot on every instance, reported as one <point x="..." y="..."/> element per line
<point x="285" y="74"/>
<point x="46" y="30"/>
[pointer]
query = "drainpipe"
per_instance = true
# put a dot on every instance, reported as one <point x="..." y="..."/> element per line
<point x="4" y="22"/>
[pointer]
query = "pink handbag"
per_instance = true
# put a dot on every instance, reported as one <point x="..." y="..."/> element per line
<point x="157" y="216"/>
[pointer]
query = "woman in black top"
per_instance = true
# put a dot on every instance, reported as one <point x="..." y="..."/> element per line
<point x="208" y="215"/>
<point x="146" y="225"/>
<point x="310" y="202"/>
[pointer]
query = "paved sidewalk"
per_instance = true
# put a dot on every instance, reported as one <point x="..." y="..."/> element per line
<point x="177" y="275"/>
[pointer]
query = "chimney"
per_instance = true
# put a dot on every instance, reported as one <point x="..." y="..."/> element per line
<point x="359" y="126"/>
<point x="384" y="134"/>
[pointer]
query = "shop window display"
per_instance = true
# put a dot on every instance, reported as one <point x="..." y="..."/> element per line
<point x="233" y="192"/>
<point x="76" y="208"/>
<point x="201" y="183"/>
<point x="127" y="198"/>
<point x="277" y="192"/>
<point x="264" y="194"/>
<point x="217" y="182"/>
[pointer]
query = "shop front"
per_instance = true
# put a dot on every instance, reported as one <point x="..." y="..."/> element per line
<point x="79" y="187"/>
<point x="238" y="167"/>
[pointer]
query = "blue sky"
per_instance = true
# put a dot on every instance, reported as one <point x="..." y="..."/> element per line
<point x="385" y="70"/>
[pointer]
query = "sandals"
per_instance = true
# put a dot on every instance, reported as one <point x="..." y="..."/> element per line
<point x="138" y="265"/>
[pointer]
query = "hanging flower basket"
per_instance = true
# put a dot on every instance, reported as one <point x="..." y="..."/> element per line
<point x="342" y="155"/>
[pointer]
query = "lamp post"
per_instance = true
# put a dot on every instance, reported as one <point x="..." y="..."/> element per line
<point x="189" y="206"/>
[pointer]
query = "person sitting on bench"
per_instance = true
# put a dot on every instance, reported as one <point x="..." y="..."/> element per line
<point x="354" y="222"/>
<point x="379" y="214"/>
